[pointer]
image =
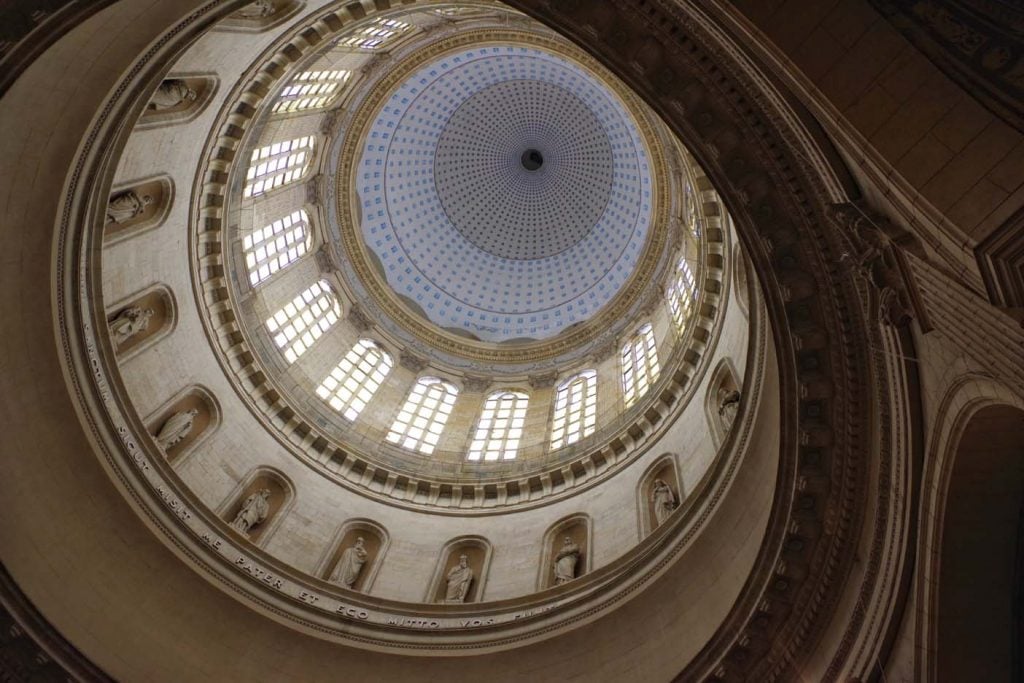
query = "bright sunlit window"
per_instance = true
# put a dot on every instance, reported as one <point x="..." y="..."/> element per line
<point x="639" y="364"/>
<point x="374" y="34"/>
<point x="304" y="319"/>
<point x="682" y="294"/>
<point x="278" y="164"/>
<point x="351" y="385"/>
<point x="500" y="427"/>
<point x="311" y="90"/>
<point x="419" y="425"/>
<point x="575" y="414"/>
<point x="274" y="246"/>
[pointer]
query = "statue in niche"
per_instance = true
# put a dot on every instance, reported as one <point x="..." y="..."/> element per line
<point x="125" y="206"/>
<point x="171" y="93"/>
<point x="565" y="562"/>
<point x="351" y="563"/>
<point x="664" y="501"/>
<point x="254" y="511"/>
<point x="176" y="428"/>
<point x="129" y="323"/>
<point x="459" y="579"/>
<point x="728" y="406"/>
<point x="256" y="10"/>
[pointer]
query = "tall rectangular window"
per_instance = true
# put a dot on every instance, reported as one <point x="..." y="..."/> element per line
<point x="682" y="295"/>
<point x="274" y="246"/>
<point x="311" y="90"/>
<point x="500" y="427"/>
<point x="419" y="425"/>
<point x="639" y="364"/>
<point x="278" y="164"/>
<point x="374" y="34"/>
<point x="304" y="319"/>
<point x="351" y="385"/>
<point x="575" y="414"/>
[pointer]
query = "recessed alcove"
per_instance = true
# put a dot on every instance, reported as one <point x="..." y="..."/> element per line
<point x="205" y="420"/>
<point x="279" y="499"/>
<point x="152" y="198"/>
<point x="141" y="321"/>
<point x="477" y="553"/>
<point x="375" y="542"/>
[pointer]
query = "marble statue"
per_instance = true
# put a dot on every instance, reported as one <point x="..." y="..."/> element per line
<point x="125" y="206"/>
<point x="170" y="94"/>
<point x="254" y="511"/>
<point x="459" y="579"/>
<point x="728" y="405"/>
<point x="129" y="323"/>
<point x="351" y="563"/>
<point x="176" y="428"/>
<point x="664" y="501"/>
<point x="565" y="562"/>
<point x="256" y="10"/>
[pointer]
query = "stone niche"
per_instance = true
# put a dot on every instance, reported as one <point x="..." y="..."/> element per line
<point x="282" y="495"/>
<point x="721" y="418"/>
<point x="157" y="303"/>
<point x="663" y="469"/>
<point x="159" y="190"/>
<point x="478" y="555"/>
<point x="206" y="420"/>
<point x="375" y="540"/>
<point x="578" y="528"/>
<point x="203" y="84"/>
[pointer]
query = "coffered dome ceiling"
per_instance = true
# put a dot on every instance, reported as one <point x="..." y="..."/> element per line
<point x="506" y="191"/>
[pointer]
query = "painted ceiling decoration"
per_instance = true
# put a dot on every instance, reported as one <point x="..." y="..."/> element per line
<point x="506" y="191"/>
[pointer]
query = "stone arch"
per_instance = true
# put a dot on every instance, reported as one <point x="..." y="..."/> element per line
<point x="978" y="626"/>
<point x="206" y="421"/>
<point x="164" y="317"/>
<point x="160" y="190"/>
<point x="282" y="497"/>
<point x="376" y="541"/>
<point x="665" y="469"/>
<point x="724" y="380"/>
<point x="203" y="84"/>
<point x="578" y="527"/>
<point x="477" y="550"/>
<point x="970" y="480"/>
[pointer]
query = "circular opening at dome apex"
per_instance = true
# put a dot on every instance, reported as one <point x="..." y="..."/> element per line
<point x="532" y="159"/>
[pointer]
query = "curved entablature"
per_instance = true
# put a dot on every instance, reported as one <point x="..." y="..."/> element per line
<point x="346" y="442"/>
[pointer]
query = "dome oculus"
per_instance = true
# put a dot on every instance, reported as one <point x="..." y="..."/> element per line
<point x="506" y="191"/>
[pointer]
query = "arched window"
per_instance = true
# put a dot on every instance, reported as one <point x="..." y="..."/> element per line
<point x="639" y="364"/>
<point x="500" y="427"/>
<point x="311" y="90"/>
<point x="682" y="294"/>
<point x="274" y="246"/>
<point x="419" y="425"/>
<point x="304" y="319"/>
<point x="278" y="164"/>
<point x="575" y="413"/>
<point x="351" y="385"/>
<point x="374" y="34"/>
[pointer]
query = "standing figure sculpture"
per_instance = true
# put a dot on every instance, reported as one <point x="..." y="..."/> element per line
<point x="254" y="511"/>
<point x="171" y="93"/>
<point x="176" y="428"/>
<point x="728" y="405"/>
<point x="129" y="323"/>
<point x="565" y="562"/>
<point x="256" y="10"/>
<point x="459" y="579"/>
<point x="351" y="563"/>
<point x="664" y="501"/>
<point x="125" y="206"/>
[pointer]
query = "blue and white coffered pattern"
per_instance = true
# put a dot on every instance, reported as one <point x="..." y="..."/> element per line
<point x="479" y="241"/>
